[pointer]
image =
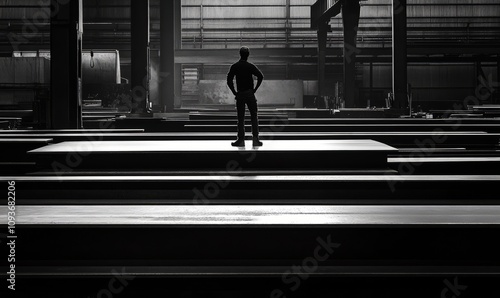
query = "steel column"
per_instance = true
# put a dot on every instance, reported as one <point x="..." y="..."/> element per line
<point x="167" y="57"/>
<point x="322" y="38"/>
<point x="350" y="19"/>
<point x="497" y="82"/>
<point x="178" y="46"/>
<point x="66" y="30"/>
<point x="399" y="55"/>
<point x="140" y="55"/>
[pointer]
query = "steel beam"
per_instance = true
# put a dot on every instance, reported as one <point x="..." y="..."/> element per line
<point x="322" y="38"/>
<point x="310" y="56"/>
<point x="178" y="46"/>
<point x="350" y="19"/>
<point x="399" y="55"/>
<point x="323" y="10"/>
<point x="167" y="56"/>
<point x="140" y="46"/>
<point x="488" y="51"/>
<point x="66" y="28"/>
<point x="497" y="82"/>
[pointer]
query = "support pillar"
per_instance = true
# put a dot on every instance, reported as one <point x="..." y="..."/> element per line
<point x="178" y="46"/>
<point x="497" y="82"/>
<point x="322" y="38"/>
<point x="287" y="23"/>
<point x="66" y="30"/>
<point x="167" y="56"/>
<point x="371" y="84"/>
<point x="350" y="20"/>
<point x="399" y="55"/>
<point x="140" y="55"/>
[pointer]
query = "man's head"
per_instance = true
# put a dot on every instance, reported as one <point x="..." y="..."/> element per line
<point x="244" y="53"/>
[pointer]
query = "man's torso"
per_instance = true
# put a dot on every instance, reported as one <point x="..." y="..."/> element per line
<point x="244" y="70"/>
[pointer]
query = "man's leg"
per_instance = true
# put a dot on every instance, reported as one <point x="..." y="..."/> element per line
<point x="240" y="107"/>
<point x="252" y="106"/>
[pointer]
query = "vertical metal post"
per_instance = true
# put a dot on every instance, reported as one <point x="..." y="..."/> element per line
<point x="497" y="82"/>
<point x="201" y="25"/>
<point x="178" y="46"/>
<point x="399" y="55"/>
<point x="350" y="19"/>
<point x="167" y="57"/>
<point x="66" y="30"/>
<point x="322" y="38"/>
<point x="140" y="55"/>
<point x="371" y="83"/>
<point x="287" y="23"/>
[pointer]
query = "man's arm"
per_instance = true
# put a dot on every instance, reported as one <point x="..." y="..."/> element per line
<point x="230" y="80"/>
<point x="260" y="78"/>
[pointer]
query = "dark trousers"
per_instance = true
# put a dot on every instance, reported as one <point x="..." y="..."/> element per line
<point x="247" y="98"/>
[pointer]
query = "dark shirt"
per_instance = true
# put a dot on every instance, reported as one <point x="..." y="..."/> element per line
<point x="244" y="72"/>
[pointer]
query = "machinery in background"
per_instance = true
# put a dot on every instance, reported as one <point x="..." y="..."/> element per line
<point x="102" y="82"/>
<point x="25" y="89"/>
<point x="338" y="99"/>
<point x="25" y="85"/>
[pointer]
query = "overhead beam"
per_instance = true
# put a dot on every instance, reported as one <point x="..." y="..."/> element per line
<point x="217" y="60"/>
<point x="459" y="50"/>
<point x="323" y="10"/>
<point x="66" y="28"/>
<point x="310" y="55"/>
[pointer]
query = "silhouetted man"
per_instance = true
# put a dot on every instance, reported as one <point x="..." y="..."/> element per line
<point x="244" y="72"/>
